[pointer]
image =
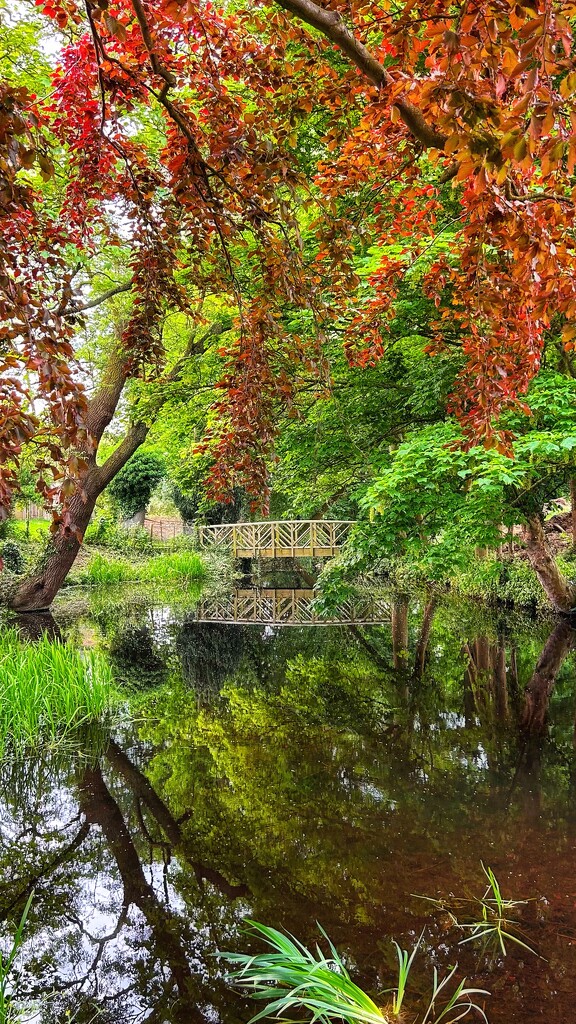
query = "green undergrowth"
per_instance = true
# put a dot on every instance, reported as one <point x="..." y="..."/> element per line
<point x="510" y="583"/>
<point x="177" y="567"/>
<point x="497" y="582"/>
<point x="48" y="690"/>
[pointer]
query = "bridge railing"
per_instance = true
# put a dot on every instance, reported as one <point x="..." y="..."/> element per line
<point x="281" y="539"/>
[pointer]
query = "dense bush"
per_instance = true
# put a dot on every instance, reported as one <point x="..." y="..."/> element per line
<point x="12" y="557"/>
<point x="133" y="486"/>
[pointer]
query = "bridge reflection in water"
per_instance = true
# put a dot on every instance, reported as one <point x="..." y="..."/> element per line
<point x="290" y="607"/>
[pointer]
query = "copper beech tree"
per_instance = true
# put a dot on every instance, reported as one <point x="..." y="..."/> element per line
<point x="403" y="102"/>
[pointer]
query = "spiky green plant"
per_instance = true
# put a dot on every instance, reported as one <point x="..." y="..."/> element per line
<point x="102" y="570"/>
<point x="405" y="961"/>
<point x="292" y="977"/>
<point x="177" y="567"/>
<point x="496" y="926"/>
<point x="8" y="1014"/>
<point x="493" y="923"/>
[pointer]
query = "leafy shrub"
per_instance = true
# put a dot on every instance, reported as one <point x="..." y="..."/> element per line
<point x="13" y="557"/>
<point x="132" y="487"/>
<point x="498" y="582"/>
<point x="98" y="531"/>
<point x="137" y="539"/>
<point x="106" y="533"/>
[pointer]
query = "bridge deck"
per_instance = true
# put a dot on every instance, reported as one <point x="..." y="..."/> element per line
<point x="317" y="538"/>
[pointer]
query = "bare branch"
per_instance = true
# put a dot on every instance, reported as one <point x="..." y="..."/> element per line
<point x="76" y="308"/>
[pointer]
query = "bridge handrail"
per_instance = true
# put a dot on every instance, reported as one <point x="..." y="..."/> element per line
<point x="279" y="537"/>
<point x="279" y="522"/>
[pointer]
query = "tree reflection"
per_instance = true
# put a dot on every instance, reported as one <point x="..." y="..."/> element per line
<point x="313" y="781"/>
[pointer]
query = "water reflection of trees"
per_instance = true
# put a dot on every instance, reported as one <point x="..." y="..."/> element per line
<point x="314" y="781"/>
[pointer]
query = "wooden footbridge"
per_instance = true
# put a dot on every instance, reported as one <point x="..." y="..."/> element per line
<point x="317" y="538"/>
<point x="290" y="607"/>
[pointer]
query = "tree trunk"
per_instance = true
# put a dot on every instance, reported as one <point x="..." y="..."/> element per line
<point x="537" y="693"/>
<point x="501" y="682"/>
<point x="573" y="508"/>
<point x="400" y="632"/>
<point x="560" y="594"/>
<point x="421" y="652"/>
<point x="100" y="808"/>
<point x="144" y="791"/>
<point x="37" y="592"/>
<point x="137" y="519"/>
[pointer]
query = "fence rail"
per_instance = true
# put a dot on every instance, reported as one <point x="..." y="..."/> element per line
<point x="30" y="511"/>
<point x="289" y="607"/>
<point x="320" y="538"/>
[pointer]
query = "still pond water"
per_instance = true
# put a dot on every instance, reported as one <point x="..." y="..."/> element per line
<point x="298" y="774"/>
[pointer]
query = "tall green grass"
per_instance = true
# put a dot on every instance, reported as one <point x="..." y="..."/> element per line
<point x="103" y="570"/>
<point x="170" y="568"/>
<point x="47" y="689"/>
<point x="180" y="565"/>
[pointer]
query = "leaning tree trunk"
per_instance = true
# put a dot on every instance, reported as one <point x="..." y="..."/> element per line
<point x="37" y="592"/>
<point x="557" y="589"/>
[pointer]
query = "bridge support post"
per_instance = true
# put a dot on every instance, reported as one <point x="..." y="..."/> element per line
<point x="245" y="566"/>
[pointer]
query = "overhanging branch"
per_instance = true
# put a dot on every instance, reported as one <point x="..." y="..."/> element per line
<point x="331" y="25"/>
<point x="76" y="308"/>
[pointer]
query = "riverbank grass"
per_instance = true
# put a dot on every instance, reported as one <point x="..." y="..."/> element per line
<point x="49" y="689"/>
<point x="176" y="567"/>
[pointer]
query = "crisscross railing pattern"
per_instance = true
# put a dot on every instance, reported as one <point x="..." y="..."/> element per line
<point x="320" y="538"/>
<point x="290" y="607"/>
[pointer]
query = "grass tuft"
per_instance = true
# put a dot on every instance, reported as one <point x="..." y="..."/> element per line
<point x="496" y="926"/>
<point x="492" y="921"/>
<point x="181" y="565"/>
<point x="103" y="570"/>
<point x="7" y="1013"/>
<point x="47" y="689"/>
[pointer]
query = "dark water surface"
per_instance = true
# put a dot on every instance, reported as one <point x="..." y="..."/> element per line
<point x="298" y="774"/>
